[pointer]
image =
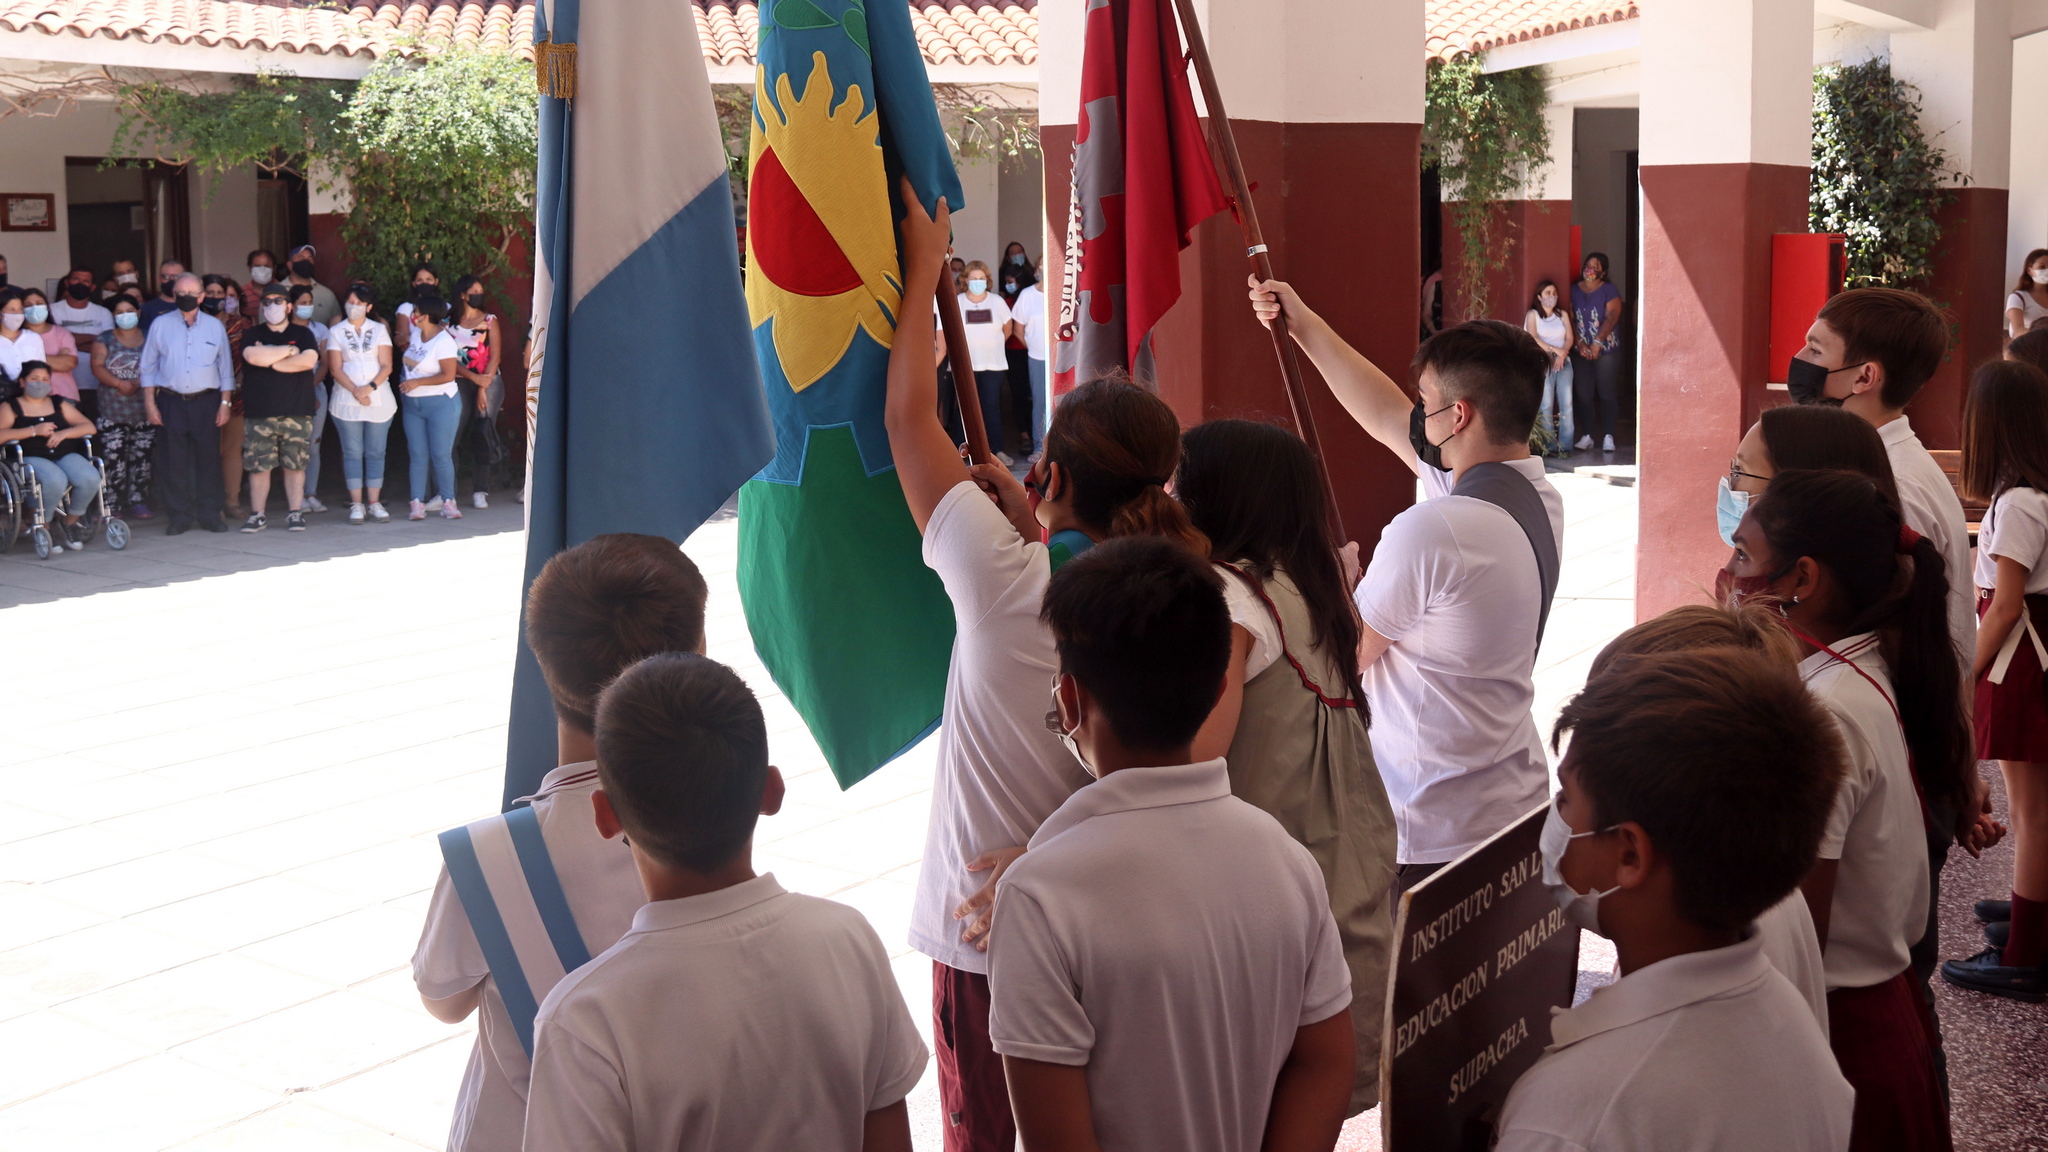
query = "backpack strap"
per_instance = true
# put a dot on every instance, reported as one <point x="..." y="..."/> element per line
<point x="1501" y="486"/>
<point x="507" y="883"/>
<point x="1329" y="701"/>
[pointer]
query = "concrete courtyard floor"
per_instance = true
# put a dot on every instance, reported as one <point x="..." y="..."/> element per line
<point x="226" y="760"/>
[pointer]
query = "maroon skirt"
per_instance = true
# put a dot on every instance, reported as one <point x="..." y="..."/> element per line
<point x="2011" y="718"/>
<point x="1883" y="1041"/>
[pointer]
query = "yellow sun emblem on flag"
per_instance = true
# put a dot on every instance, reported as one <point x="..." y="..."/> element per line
<point x="821" y="246"/>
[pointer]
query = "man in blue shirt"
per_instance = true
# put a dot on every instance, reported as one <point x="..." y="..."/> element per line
<point x="163" y="303"/>
<point x="187" y="373"/>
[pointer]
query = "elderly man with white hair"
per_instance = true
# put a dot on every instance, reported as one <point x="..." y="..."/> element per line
<point x="188" y="369"/>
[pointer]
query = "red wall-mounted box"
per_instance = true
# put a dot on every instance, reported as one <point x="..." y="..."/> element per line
<point x="1807" y="269"/>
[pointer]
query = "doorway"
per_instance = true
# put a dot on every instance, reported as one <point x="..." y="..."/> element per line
<point x="134" y="210"/>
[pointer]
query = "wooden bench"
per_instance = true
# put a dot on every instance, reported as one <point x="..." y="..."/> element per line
<point x="1951" y="462"/>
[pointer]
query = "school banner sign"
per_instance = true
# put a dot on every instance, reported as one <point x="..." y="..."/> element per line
<point x="1482" y="954"/>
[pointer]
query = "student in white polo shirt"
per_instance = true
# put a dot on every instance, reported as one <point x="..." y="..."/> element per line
<point x="1110" y="451"/>
<point x="733" y="1015"/>
<point x="1830" y="548"/>
<point x="1693" y="796"/>
<point x="593" y="610"/>
<point x="1165" y="969"/>
<point x="1454" y="597"/>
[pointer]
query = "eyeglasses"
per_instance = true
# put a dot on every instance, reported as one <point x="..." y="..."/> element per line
<point x="1735" y="472"/>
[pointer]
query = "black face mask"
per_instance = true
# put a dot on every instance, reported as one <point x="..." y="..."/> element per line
<point x="303" y="269"/>
<point x="187" y="302"/>
<point x="422" y="291"/>
<point x="1418" y="437"/>
<point x="1808" y="382"/>
<point x="476" y="299"/>
<point x="78" y="291"/>
<point x="211" y="305"/>
<point x="3" y="279"/>
<point x="167" y="283"/>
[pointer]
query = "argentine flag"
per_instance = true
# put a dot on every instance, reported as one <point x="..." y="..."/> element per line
<point x="644" y="401"/>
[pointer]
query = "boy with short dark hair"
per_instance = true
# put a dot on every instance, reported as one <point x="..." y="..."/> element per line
<point x="1164" y="971"/>
<point x="592" y="612"/>
<point x="1693" y="797"/>
<point x="733" y="1015"/>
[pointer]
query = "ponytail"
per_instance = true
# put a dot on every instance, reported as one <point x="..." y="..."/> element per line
<point x="1119" y="445"/>
<point x="1844" y="523"/>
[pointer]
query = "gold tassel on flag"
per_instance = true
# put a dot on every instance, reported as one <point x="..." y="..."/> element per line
<point x="554" y="67"/>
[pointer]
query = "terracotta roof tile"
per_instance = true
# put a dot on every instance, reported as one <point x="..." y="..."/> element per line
<point x="1455" y="26"/>
<point x="968" y="33"/>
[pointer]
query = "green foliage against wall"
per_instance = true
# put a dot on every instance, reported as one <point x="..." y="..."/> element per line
<point x="1876" y="178"/>
<point x="1484" y="133"/>
<point x="438" y="151"/>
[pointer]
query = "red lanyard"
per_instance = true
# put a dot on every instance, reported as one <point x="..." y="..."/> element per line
<point x="1911" y="770"/>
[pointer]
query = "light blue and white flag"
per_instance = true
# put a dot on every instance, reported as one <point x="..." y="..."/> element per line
<point x="644" y="400"/>
<point x="501" y="870"/>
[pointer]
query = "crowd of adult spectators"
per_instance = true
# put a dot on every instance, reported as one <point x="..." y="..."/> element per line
<point x="197" y="389"/>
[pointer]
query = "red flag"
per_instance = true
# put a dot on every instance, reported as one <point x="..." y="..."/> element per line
<point x="1143" y="178"/>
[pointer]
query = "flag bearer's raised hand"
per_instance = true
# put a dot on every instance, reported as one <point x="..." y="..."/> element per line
<point x="925" y="240"/>
<point x="1271" y="297"/>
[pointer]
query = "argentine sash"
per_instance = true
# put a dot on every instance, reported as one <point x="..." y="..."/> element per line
<point x="501" y="870"/>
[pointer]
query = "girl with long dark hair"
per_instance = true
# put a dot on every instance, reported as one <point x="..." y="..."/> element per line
<point x="1551" y="325"/>
<point x="1291" y="724"/>
<point x="1867" y="600"/>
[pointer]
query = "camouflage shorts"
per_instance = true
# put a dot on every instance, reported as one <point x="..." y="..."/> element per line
<point x="277" y="442"/>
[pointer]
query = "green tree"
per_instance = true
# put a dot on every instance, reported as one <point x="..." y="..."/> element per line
<point x="1876" y="178"/>
<point x="1484" y="133"/>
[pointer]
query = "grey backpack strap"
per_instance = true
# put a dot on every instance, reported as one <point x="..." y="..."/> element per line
<point x="1511" y="492"/>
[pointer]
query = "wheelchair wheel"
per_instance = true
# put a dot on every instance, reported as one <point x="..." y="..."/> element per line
<point x="117" y="534"/>
<point x="40" y="537"/>
<point x="10" y="511"/>
<point x="91" y="522"/>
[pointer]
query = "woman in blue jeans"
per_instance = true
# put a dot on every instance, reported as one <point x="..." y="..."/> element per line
<point x="1552" y="328"/>
<point x="361" y="406"/>
<point x="432" y="405"/>
<point x="52" y="433"/>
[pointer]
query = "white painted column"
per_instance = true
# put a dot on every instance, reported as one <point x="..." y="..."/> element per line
<point x="2027" y="218"/>
<point x="1962" y="66"/>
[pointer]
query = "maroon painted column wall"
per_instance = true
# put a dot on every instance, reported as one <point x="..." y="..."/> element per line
<point x="1970" y="281"/>
<point x="1341" y="209"/>
<point x="1705" y="344"/>
<point x="1539" y="238"/>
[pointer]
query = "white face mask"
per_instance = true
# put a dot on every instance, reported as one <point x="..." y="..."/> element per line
<point x="126" y="278"/>
<point x="356" y="312"/>
<point x="2039" y="275"/>
<point x="13" y="320"/>
<point x="1581" y="908"/>
<point x="1058" y="727"/>
<point x="273" y="313"/>
<point x="259" y="273"/>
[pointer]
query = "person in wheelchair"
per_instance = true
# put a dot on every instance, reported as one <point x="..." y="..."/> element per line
<point x="52" y="431"/>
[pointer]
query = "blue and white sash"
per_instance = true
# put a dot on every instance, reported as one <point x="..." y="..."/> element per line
<point x="501" y="870"/>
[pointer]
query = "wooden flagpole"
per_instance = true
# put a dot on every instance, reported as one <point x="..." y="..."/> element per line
<point x="963" y="367"/>
<point x="1225" y="143"/>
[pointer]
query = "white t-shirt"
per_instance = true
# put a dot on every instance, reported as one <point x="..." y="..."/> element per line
<point x="358" y="348"/>
<point x="748" y="1019"/>
<point x="23" y="347"/>
<point x="2030" y="307"/>
<point x="1793" y="948"/>
<point x="1876" y="829"/>
<point x="424" y="359"/>
<point x="985" y="338"/>
<point x="1250" y="613"/>
<point x="1120" y="943"/>
<point x="1030" y="312"/>
<point x="1703" y="1052"/>
<point x="603" y="889"/>
<point x="1454" y="585"/>
<point x="86" y="319"/>
<point x="1000" y="772"/>
<point x="2016" y="527"/>
<point x="1930" y="505"/>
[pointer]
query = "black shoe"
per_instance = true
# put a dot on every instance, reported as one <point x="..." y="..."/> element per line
<point x="177" y="527"/>
<point x="74" y="536"/>
<point x="255" y="523"/>
<point x="1989" y="911"/>
<point x="295" y="522"/>
<point x="1985" y="972"/>
<point x="215" y="525"/>
<point x="1997" y="933"/>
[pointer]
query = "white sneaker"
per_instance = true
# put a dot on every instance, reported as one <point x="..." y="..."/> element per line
<point x="378" y="514"/>
<point x="355" y="513"/>
<point x="479" y="499"/>
<point x="450" y="512"/>
<point x="519" y="497"/>
<point x="1005" y="458"/>
<point x="313" y="503"/>
<point x="1607" y="445"/>
<point x="418" y="512"/>
<point x="1585" y="442"/>
<point x="434" y="505"/>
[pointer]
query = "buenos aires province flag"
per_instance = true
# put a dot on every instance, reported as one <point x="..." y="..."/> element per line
<point x="644" y="399"/>
<point x="846" y="617"/>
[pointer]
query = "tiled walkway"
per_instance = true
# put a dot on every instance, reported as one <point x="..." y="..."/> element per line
<point x="225" y="760"/>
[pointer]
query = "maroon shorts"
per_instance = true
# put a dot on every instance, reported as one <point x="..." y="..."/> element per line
<point x="972" y="1090"/>
<point x="1883" y="1037"/>
<point x="2011" y="718"/>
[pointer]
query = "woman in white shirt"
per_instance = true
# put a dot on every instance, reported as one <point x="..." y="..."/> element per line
<point x="987" y="320"/>
<point x="2028" y="304"/>
<point x="425" y="281"/>
<point x="1552" y="328"/>
<point x="433" y="409"/>
<point x="18" y="345"/>
<point x="1829" y="548"/>
<point x="361" y="405"/>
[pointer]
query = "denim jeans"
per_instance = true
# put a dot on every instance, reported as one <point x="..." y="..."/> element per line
<point x="73" y="472"/>
<point x="320" y="391"/>
<point x="990" y="387"/>
<point x="430" y="425"/>
<point x="1037" y="404"/>
<point x="362" y="451"/>
<point x="1557" y="396"/>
